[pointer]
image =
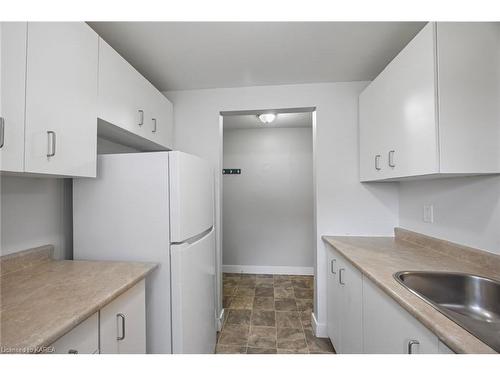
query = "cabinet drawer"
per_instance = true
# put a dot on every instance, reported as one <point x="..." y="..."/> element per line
<point x="83" y="339"/>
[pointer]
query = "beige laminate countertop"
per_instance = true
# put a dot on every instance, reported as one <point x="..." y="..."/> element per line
<point x="44" y="298"/>
<point x="378" y="258"/>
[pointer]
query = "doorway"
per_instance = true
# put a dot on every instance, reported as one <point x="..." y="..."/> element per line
<point x="268" y="233"/>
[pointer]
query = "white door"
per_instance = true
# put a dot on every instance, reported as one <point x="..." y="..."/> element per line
<point x="61" y="99"/>
<point x="83" y="339"/>
<point x="398" y="114"/>
<point x="122" y="92"/>
<point x="193" y="296"/>
<point x="351" y="308"/>
<point x="389" y="329"/>
<point x="469" y="94"/>
<point x="122" y="328"/>
<point x="12" y="92"/>
<point x="160" y="121"/>
<point x="333" y="301"/>
<point x="412" y="108"/>
<point x="191" y="196"/>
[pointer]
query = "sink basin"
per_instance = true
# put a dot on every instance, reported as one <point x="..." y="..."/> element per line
<point x="471" y="301"/>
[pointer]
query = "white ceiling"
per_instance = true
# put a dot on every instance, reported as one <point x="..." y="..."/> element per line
<point x="283" y="120"/>
<point x="191" y="55"/>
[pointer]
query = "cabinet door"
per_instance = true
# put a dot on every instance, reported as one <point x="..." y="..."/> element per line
<point x="61" y="99"/>
<point x="12" y="95"/>
<point x="389" y="329"/>
<point x="83" y="339"/>
<point x="122" y="93"/>
<point x="469" y="96"/>
<point x="333" y="300"/>
<point x="372" y="132"/>
<point x="123" y="323"/>
<point x="398" y="116"/>
<point x="161" y="120"/>
<point x="351" y="308"/>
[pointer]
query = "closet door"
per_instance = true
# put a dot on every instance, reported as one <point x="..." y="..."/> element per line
<point x="12" y="91"/>
<point x="61" y="99"/>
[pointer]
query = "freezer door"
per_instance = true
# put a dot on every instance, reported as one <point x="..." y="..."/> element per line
<point x="193" y="296"/>
<point x="191" y="196"/>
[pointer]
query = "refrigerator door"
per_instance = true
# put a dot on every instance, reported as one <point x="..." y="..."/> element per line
<point x="193" y="288"/>
<point x="191" y="196"/>
<point x="123" y="215"/>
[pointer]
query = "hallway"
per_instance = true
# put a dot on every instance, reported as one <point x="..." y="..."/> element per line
<point x="269" y="314"/>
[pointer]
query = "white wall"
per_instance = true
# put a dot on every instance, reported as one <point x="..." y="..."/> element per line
<point x="268" y="209"/>
<point x="466" y="210"/>
<point x="105" y="146"/>
<point x="343" y="205"/>
<point x="35" y="212"/>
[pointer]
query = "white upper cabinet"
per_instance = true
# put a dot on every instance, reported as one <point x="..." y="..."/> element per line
<point x="61" y="99"/>
<point x="129" y="102"/>
<point x="433" y="110"/>
<point x="12" y="92"/>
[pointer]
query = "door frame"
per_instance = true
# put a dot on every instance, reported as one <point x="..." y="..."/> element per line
<point x="219" y="195"/>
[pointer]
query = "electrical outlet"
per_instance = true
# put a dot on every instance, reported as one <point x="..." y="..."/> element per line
<point x="428" y="213"/>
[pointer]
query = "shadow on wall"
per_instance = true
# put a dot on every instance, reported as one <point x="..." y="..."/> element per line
<point x="35" y="212"/>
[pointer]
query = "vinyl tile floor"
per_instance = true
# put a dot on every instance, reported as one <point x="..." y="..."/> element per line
<point x="269" y="314"/>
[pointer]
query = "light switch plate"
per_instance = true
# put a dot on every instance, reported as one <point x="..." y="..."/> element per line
<point x="428" y="213"/>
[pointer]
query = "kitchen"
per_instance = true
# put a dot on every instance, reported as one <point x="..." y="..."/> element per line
<point x="115" y="213"/>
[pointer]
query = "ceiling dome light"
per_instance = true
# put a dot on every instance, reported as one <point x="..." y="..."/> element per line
<point x="266" y="118"/>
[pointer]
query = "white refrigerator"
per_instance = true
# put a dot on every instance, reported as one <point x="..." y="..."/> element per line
<point x="156" y="207"/>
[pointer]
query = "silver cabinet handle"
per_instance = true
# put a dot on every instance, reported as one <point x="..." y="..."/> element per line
<point x="341" y="278"/>
<point x="154" y="125"/>
<point x="51" y="143"/>
<point x="411" y="343"/>
<point x="391" y="159"/>
<point x="141" y="117"/>
<point x="377" y="162"/>
<point x="332" y="263"/>
<point x="122" y="317"/>
<point x="2" y="131"/>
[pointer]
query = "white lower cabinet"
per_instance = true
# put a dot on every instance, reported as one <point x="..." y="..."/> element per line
<point x="444" y="349"/>
<point x="123" y="323"/>
<point x="361" y="318"/>
<point x="83" y="339"/>
<point x="333" y="301"/>
<point x="388" y="328"/>
<point x="345" y="298"/>
<point x="118" y="328"/>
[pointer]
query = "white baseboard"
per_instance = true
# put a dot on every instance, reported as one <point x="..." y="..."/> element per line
<point x="319" y="329"/>
<point x="275" y="270"/>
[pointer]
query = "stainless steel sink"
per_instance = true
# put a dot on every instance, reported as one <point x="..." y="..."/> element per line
<point x="471" y="301"/>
